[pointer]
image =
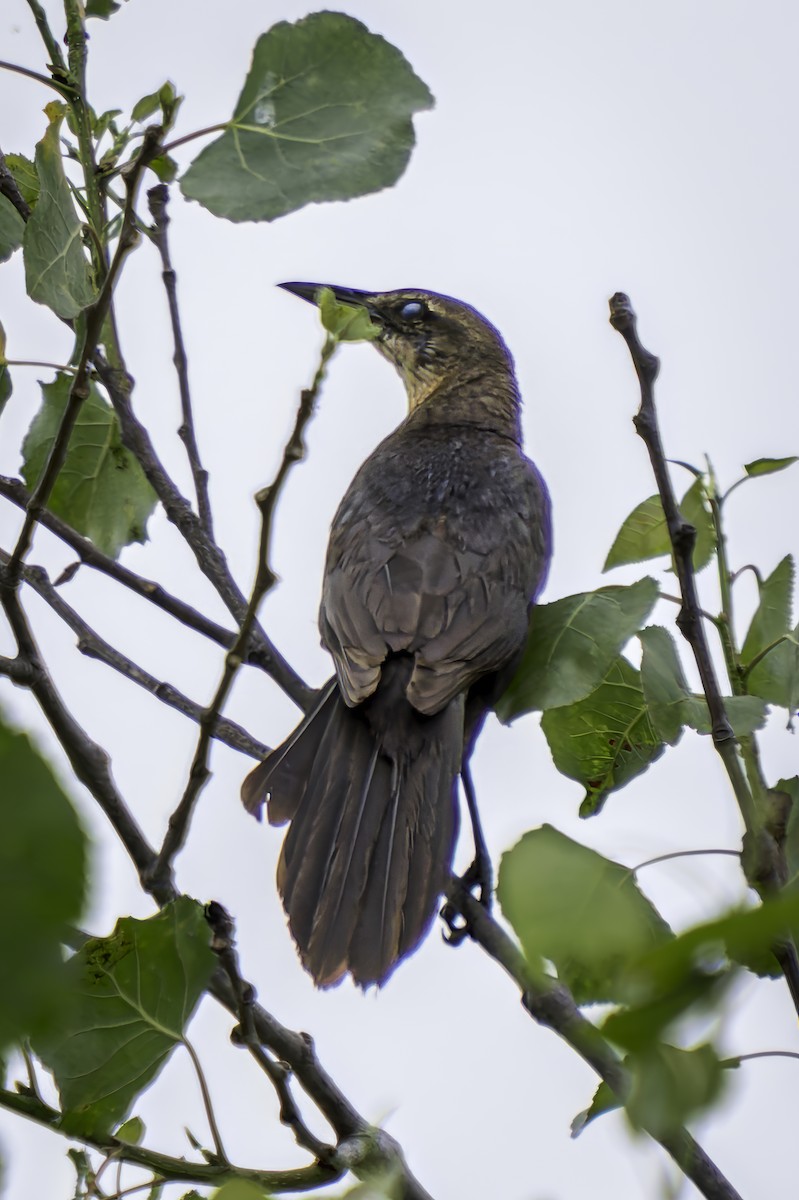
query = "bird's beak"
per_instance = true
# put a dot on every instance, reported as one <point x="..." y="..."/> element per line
<point x="310" y="292"/>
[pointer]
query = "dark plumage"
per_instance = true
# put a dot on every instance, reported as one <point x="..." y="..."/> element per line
<point x="436" y="553"/>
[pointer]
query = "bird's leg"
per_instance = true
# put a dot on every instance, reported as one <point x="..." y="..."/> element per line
<point x="479" y="874"/>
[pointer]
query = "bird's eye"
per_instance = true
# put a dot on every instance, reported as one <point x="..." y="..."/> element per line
<point x="413" y="310"/>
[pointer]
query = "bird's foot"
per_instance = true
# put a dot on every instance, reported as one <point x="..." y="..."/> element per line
<point x="478" y="875"/>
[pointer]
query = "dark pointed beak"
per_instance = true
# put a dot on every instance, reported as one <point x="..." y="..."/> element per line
<point x="309" y="292"/>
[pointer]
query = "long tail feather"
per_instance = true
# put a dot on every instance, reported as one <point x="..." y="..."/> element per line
<point x="371" y="794"/>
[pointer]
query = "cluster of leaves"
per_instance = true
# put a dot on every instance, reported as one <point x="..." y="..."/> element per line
<point x="606" y="721"/>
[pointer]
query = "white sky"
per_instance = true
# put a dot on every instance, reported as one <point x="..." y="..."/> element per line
<point x="576" y="149"/>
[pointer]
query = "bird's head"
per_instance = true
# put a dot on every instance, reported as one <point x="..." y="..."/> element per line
<point x="429" y="338"/>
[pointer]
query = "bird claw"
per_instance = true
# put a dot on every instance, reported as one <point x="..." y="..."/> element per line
<point x="478" y="875"/>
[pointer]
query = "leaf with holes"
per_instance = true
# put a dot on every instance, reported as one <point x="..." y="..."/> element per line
<point x="606" y="739"/>
<point x="325" y="114"/>
<point x="571" y="644"/>
<point x="101" y="490"/>
<point x="132" y="995"/>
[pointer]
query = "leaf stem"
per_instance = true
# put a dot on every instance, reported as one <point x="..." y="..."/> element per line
<point x="209" y="1108"/>
<point x="198" y="133"/>
<point x="661" y="858"/>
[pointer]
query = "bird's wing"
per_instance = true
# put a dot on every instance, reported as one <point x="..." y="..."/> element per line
<point x="456" y="597"/>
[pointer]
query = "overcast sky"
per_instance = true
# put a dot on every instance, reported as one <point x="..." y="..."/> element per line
<point x="575" y="149"/>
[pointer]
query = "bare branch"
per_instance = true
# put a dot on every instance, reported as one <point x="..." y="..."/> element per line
<point x="208" y="556"/>
<point x="89" y="761"/>
<point x="224" y="945"/>
<point x="265" y="578"/>
<point x="260" y="653"/>
<point x="93" y="646"/>
<point x="158" y="198"/>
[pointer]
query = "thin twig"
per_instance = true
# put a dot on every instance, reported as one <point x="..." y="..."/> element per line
<point x="363" y="1147"/>
<point x="763" y="857"/>
<point x="265" y="578"/>
<point x="224" y="946"/>
<point x="261" y="653"/>
<point x="79" y="389"/>
<point x="93" y="646"/>
<point x="219" y="1146"/>
<point x="551" y="1004"/>
<point x="61" y="88"/>
<point x="158" y="199"/>
<point x="208" y="555"/>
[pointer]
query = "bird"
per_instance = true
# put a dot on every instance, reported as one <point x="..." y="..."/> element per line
<point x="437" y="553"/>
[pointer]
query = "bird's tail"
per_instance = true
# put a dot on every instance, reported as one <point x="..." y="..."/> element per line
<point x="371" y="793"/>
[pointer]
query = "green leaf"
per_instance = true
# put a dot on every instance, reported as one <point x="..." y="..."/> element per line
<point x="670" y="1085"/>
<point x="644" y="533"/>
<point x="6" y="386"/>
<point x="325" y="114"/>
<point x="56" y="269"/>
<point x="239" y="1189"/>
<point x="694" y="508"/>
<point x="606" y="739"/>
<point x="12" y="229"/>
<point x="690" y="969"/>
<point x="132" y="995"/>
<point x="604" y="1101"/>
<point x="43" y="853"/>
<point x="101" y="491"/>
<point x="582" y="912"/>
<point x="346" y="322"/>
<point x="131" y="1131"/>
<point x="164" y="167"/>
<point x="102" y="8"/>
<point x="776" y="677"/>
<point x="773" y="615"/>
<point x="768" y="466"/>
<point x="572" y="643"/>
<point x="145" y="107"/>
<point x="664" y="686"/>
<point x="671" y="705"/>
<point x="24" y="173"/>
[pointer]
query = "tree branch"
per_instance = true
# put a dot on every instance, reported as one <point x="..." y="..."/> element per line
<point x="89" y="761"/>
<point x="551" y="1004"/>
<point x="763" y="858"/>
<point x="166" y="1167"/>
<point x="93" y="646"/>
<point x="157" y="199"/>
<point x="260" y="653"/>
<point x="208" y="556"/>
<point x="265" y="578"/>
<point x="224" y="946"/>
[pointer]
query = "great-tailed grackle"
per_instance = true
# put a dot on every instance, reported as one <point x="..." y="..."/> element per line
<point x="436" y="554"/>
